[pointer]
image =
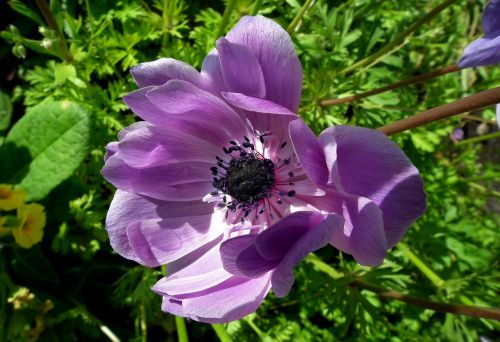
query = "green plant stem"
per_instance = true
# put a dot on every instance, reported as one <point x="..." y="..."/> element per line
<point x="412" y="80"/>
<point x="221" y="333"/>
<point x="256" y="7"/>
<point x="180" y="324"/>
<point x="479" y="138"/>
<point x="143" y="323"/>
<point x="322" y="266"/>
<point x="427" y="304"/>
<point x="484" y="190"/>
<point x="473" y="102"/>
<point x="225" y="17"/>
<point x="295" y="22"/>
<point x="49" y="18"/>
<point x="166" y="22"/>
<point x="400" y="38"/>
<point x="433" y="277"/>
<point x="255" y="328"/>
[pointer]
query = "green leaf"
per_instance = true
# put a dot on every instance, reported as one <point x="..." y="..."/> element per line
<point x="45" y="147"/>
<point x="5" y="111"/>
<point x="19" y="7"/>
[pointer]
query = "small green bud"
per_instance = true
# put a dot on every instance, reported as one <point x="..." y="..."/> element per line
<point x="19" y="51"/>
<point x="13" y="30"/>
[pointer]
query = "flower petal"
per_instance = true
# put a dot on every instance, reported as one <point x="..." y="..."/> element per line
<point x="204" y="272"/>
<point x="316" y="237"/>
<point x="240" y="69"/>
<point x="240" y="257"/>
<point x="161" y="71"/>
<point x="481" y="52"/>
<point x="276" y="241"/>
<point x="127" y="207"/>
<point x="491" y="17"/>
<point x="309" y="152"/>
<point x="211" y="70"/>
<point x="372" y="166"/>
<point x="256" y="105"/>
<point x="160" y="241"/>
<point x="363" y="235"/>
<point x="184" y="99"/>
<point x="231" y="300"/>
<point x="166" y="182"/>
<point x="275" y="51"/>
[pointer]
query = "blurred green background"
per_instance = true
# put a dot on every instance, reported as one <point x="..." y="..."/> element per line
<point x="73" y="287"/>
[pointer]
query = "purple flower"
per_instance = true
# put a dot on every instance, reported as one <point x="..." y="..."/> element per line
<point x="223" y="182"/>
<point x="485" y="50"/>
<point x="457" y="134"/>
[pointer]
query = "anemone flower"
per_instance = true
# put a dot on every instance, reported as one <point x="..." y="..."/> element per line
<point x="228" y="187"/>
<point x="485" y="50"/>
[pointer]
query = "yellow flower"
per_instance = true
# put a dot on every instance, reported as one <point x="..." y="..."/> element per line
<point x="3" y="230"/>
<point x="31" y="222"/>
<point x="11" y="199"/>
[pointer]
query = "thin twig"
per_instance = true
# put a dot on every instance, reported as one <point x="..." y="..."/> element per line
<point x="474" y="311"/>
<point x="473" y="102"/>
<point x="412" y="80"/>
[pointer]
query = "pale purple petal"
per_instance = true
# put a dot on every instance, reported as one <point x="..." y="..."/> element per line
<point x="363" y="235"/>
<point x="161" y="71"/>
<point x="275" y="51"/>
<point x="211" y="70"/>
<point x="111" y="149"/>
<point x="253" y="104"/>
<point x="233" y="299"/>
<point x="485" y="50"/>
<point x="309" y="152"/>
<point x="127" y="208"/>
<point x="481" y="52"/>
<point x="160" y="182"/>
<point x="160" y="241"/>
<point x="314" y="239"/>
<point x="182" y="98"/>
<point x="372" y="166"/>
<point x="240" y="69"/>
<point x="178" y="105"/>
<point x="204" y="272"/>
<point x="154" y="146"/>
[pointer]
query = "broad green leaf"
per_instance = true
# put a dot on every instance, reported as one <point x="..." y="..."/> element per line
<point x="45" y="147"/>
<point x="5" y="110"/>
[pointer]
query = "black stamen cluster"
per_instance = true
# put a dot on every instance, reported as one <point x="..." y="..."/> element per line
<point x="247" y="180"/>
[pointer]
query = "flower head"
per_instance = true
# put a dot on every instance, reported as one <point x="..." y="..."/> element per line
<point x="11" y="198"/>
<point x="31" y="221"/>
<point x="223" y="181"/>
<point x="485" y="50"/>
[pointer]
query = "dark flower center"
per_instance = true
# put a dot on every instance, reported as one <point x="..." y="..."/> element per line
<point x="249" y="179"/>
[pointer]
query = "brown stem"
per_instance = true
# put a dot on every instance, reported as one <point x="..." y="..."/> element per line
<point x="49" y="18"/>
<point x="412" y="80"/>
<point x="473" y="311"/>
<point x="473" y="102"/>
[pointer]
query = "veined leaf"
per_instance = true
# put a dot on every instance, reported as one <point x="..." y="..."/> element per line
<point x="45" y="147"/>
